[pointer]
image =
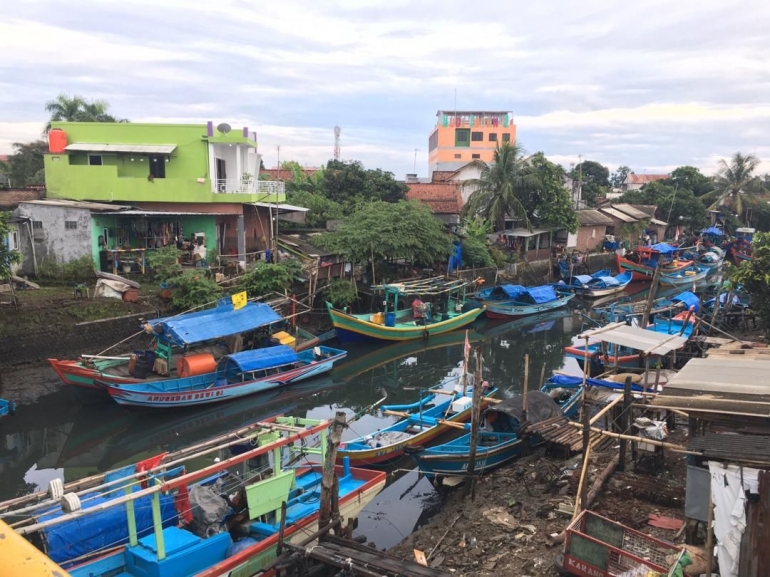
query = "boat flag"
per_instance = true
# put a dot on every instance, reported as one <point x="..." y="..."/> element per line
<point x="239" y="300"/>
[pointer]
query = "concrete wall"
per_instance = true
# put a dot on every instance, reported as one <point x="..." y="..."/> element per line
<point x="54" y="241"/>
<point x="590" y="237"/>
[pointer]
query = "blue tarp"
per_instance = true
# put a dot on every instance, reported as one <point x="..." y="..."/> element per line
<point x="688" y="299"/>
<point x="512" y="291"/>
<point x="610" y="280"/>
<point x="584" y="278"/>
<point x="101" y="530"/>
<point x="713" y="230"/>
<point x="259" y="359"/>
<point x="664" y="248"/>
<point x="214" y="323"/>
<point x="567" y="380"/>
<point x="542" y="294"/>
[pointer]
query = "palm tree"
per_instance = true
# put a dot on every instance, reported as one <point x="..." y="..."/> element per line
<point x="77" y="109"/>
<point x="734" y="181"/>
<point x="501" y="185"/>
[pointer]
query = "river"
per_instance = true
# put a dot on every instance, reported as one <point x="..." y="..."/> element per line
<point x="55" y="434"/>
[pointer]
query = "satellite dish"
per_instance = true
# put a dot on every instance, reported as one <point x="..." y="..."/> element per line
<point x="224" y="128"/>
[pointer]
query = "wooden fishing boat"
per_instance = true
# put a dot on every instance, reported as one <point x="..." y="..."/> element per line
<point x="419" y="428"/>
<point x="174" y="338"/>
<point x="499" y="443"/>
<point x="739" y="250"/>
<point x="7" y="407"/>
<point x="155" y="520"/>
<point x="688" y="275"/>
<point x="445" y="309"/>
<point x="643" y="260"/>
<point x="237" y="375"/>
<point x="599" y="284"/>
<point x="510" y="301"/>
<point x="663" y="307"/>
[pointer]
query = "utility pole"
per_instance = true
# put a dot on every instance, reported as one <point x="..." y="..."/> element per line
<point x="416" y="150"/>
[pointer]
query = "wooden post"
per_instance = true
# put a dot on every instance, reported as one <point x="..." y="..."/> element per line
<point x="542" y="377"/>
<point x="475" y="418"/>
<point x="373" y="279"/>
<point x="710" y="534"/>
<point x="716" y="309"/>
<point x="585" y="377"/>
<point x="586" y="452"/>
<point x="625" y="420"/>
<point x="328" y="483"/>
<point x="651" y="298"/>
<point x="279" y="547"/>
<point x="526" y="385"/>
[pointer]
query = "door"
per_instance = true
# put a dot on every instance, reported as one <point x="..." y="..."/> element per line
<point x="221" y="175"/>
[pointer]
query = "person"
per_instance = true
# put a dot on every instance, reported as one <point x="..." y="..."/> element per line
<point x="418" y="308"/>
<point x="199" y="254"/>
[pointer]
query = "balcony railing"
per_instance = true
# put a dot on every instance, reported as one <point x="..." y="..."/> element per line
<point x="249" y="186"/>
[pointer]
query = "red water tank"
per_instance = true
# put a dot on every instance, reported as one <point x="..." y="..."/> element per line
<point x="57" y="141"/>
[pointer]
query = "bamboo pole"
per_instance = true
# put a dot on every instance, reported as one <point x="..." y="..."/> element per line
<point x="606" y="408"/>
<point x="651" y="297"/>
<point x="526" y="385"/>
<point x="328" y="480"/>
<point x="475" y="418"/>
<point x="669" y="446"/>
<point x="542" y="376"/>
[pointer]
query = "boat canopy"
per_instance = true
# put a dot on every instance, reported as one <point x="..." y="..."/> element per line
<point x="637" y="338"/>
<point x="609" y="281"/>
<point x="713" y="230"/>
<point x="260" y="359"/>
<point x="512" y="291"/>
<point x="585" y="278"/>
<point x="574" y="381"/>
<point x="542" y="294"/>
<point x="688" y="299"/>
<point x="663" y="248"/>
<point x="222" y="321"/>
<point x="540" y="406"/>
<point x="532" y="295"/>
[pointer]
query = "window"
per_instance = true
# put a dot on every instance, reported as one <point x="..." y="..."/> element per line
<point x="506" y="137"/>
<point x="157" y="166"/>
<point x="70" y="225"/>
<point x="462" y="137"/>
<point x="95" y="160"/>
<point x="458" y="155"/>
<point x="493" y="137"/>
<point x="37" y="224"/>
<point x="13" y="239"/>
<point x="476" y="156"/>
<point x="477" y="136"/>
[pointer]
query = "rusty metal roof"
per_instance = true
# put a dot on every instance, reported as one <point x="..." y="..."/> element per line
<point x="593" y="218"/>
<point x="732" y="446"/>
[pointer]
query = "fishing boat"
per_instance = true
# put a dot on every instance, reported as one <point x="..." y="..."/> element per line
<point x="7" y="407"/>
<point x="175" y="339"/>
<point x="662" y="307"/>
<point x="643" y="260"/>
<point x="688" y="275"/>
<point x="509" y="301"/>
<point x="237" y="375"/>
<point x="711" y="258"/>
<point x="419" y="426"/>
<point x="599" y="284"/>
<point x="499" y="441"/>
<point x="739" y="250"/>
<point x="167" y="521"/>
<point x="444" y="309"/>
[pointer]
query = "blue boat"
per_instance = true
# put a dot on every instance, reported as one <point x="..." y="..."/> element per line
<point x="599" y="284"/>
<point x="499" y="442"/>
<point x="687" y="275"/>
<point x="663" y="306"/>
<point x="509" y="300"/>
<point x="237" y="375"/>
<point x="7" y="407"/>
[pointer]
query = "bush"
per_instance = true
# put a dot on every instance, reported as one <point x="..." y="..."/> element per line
<point x="340" y="293"/>
<point x="476" y="253"/>
<point x="78" y="270"/>
<point x="164" y="263"/>
<point x="194" y="289"/>
<point x="267" y="277"/>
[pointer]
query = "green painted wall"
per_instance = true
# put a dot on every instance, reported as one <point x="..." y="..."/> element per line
<point x="120" y="179"/>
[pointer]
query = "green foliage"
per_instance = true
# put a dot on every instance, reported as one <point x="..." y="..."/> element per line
<point x="552" y="204"/>
<point x="692" y="179"/>
<point x="619" y="176"/>
<point x="754" y="276"/>
<point x="77" y="270"/>
<point x="630" y="231"/>
<point x="736" y="182"/>
<point x="477" y="228"/>
<point x="498" y="256"/>
<point x="405" y="229"/>
<point x="164" y="263"/>
<point x="321" y="208"/>
<point x="266" y="277"/>
<point x="26" y="164"/>
<point x="595" y="178"/>
<point x="671" y="202"/>
<point x="7" y="257"/>
<point x="194" y="289"/>
<point x="350" y="182"/>
<point x="78" y="109"/>
<point x="476" y="253"/>
<point x="340" y="292"/>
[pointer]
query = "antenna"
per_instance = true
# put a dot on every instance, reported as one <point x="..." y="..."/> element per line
<point x="337" y="131"/>
<point x="224" y="128"/>
<point x="416" y="150"/>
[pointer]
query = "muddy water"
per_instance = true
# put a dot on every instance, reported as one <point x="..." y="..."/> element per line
<point x="56" y="434"/>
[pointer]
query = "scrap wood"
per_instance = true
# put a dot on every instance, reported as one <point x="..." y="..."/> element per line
<point x="664" y="522"/>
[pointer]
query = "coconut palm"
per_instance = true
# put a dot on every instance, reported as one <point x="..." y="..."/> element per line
<point x="734" y="181"/>
<point x="500" y="187"/>
<point x="77" y="109"/>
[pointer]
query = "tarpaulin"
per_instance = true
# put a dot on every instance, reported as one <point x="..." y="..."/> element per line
<point x="688" y="299"/>
<point x="266" y="358"/>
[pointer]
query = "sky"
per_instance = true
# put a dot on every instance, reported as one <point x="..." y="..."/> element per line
<point x="650" y="84"/>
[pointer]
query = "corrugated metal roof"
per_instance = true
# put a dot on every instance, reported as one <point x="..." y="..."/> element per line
<point x="593" y="217"/>
<point x="140" y="212"/>
<point x="644" y="178"/>
<point x="732" y="446"/>
<point x="631" y="211"/>
<point x="658" y="222"/>
<point x="617" y="214"/>
<point x="280" y="208"/>
<point x="523" y="232"/>
<point x="92" y="206"/>
<point x="128" y="148"/>
<point x="649" y="342"/>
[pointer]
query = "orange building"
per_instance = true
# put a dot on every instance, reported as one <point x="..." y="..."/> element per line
<point x="463" y="136"/>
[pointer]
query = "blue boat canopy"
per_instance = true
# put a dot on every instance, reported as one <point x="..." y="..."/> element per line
<point x="512" y="291"/>
<point x="214" y="323"/>
<point x="585" y="278"/>
<point x="542" y="294"/>
<point x="713" y="230"/>
<point x="260" y="359"/>
<point x="609" y="281"/>
<point x="688" y="299"/>
<point x="664" y="248"/>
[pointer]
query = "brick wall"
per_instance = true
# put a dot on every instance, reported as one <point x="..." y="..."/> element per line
<point x="590" y="237"/>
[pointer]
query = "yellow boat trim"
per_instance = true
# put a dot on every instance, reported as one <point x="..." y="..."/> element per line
<point x="20" y="558"/>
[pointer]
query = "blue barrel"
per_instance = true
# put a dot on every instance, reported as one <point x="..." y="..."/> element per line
<point x="390" y="320"/>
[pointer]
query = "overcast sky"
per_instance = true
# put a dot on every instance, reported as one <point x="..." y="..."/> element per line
<point x="652" y="84"/>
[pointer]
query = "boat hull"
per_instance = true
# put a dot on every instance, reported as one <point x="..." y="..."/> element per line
<point x="676" y="280"/>
<point x="487" y="459"/>
<point x="640" y="272"/>
<point x="351" y="328"/>
<point x="509" y="311"/>
<point x="77" y="374"/>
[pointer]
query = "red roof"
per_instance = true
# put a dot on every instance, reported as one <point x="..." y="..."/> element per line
<point x="282" y="173"/>
<point x="440" y="197"/>
<point x="645" y="178"/>
<point x="4" y="157"/>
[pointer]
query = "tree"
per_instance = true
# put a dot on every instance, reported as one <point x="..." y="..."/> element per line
<point x="26" y="164"/>
<point x="267" y="278"/>
<point x="734" y="181"/>
<point x="671" y="204"/>
<point x="78" y="109"/>
<point x="8" y="257"/>
<point x="350" y="183"/>
<point x="381" y="230"/>
<point x="552" y="207"/>
<point x="692" y="179"/>
<point x="498" y="190"/>
<point x="595" y="179"/>
<point x="321" y="208"/>
<point x="754" y="276"/>
<point x="619" y="176"/>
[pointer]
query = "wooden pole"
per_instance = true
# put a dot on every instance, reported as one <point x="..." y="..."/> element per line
<point x="581" y="493"/>
<point x="601" y="413"/>
<point x="542" y="376"/>
<point x="526" y="385"/>
<point x="475" y="417"/>
<point x="328" y="480"/>
<point x="651" y="298"/>
<point x="624" y="419"/>
<point x="710" y="534"/>
<point x="374" y="282"/>
<point x="585" y="377"/>
<point x="716" y="309"/>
